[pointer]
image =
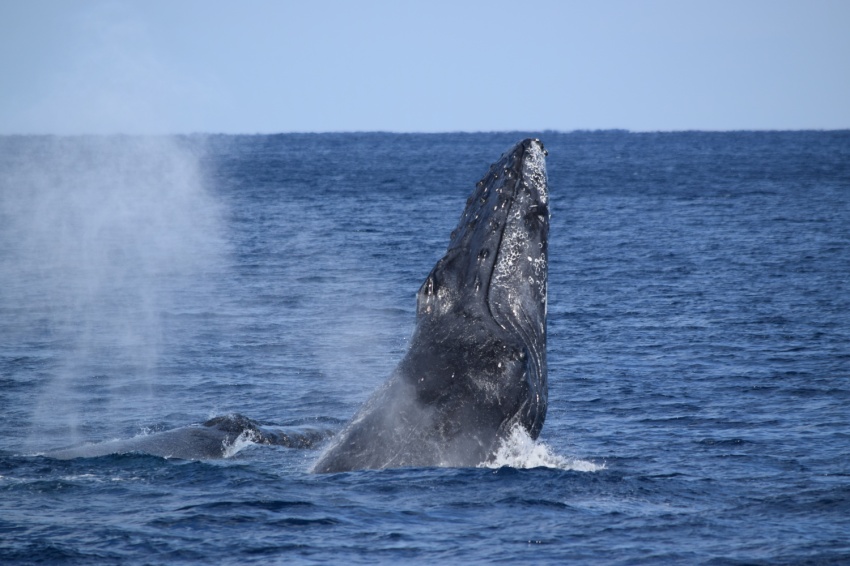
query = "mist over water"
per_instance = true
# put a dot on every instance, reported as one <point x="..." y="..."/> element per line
<point x="101" y="238"/>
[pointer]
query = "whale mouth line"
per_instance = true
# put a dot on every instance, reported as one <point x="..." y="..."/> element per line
<point x="516" y="297"/>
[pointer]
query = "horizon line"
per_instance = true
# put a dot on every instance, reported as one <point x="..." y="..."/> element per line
<point x="426" y="133"/>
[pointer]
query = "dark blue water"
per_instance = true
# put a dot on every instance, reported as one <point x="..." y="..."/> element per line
<point x="699" y="347"/>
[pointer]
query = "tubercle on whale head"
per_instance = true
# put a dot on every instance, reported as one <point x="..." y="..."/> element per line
<point x="499" y="250"/>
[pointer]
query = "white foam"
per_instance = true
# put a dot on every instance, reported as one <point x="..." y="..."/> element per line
<point x="519" y="450"/>
<point x="247" y="438"/>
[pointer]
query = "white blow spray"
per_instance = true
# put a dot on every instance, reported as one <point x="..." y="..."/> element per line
<point x="99" y="235"/>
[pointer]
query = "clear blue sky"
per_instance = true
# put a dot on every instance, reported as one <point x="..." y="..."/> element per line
<point x="151" y="66"/>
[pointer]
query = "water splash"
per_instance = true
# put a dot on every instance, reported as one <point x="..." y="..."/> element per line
<point x="247" y="438"/>
<point x="519" y="450"/>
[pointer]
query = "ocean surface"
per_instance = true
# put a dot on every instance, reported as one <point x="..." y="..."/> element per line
<point x="699" y="348"/>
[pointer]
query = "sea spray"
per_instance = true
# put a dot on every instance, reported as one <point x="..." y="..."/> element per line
<point x="99" y="235"/>
<point x="519" y="450"/>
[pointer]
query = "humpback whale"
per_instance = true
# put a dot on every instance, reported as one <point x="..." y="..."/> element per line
<point x="476" y="365"/>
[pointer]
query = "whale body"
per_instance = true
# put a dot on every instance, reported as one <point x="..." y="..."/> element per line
<point x="476" y="365"/>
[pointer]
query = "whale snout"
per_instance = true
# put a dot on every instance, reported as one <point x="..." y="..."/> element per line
<point x="505" y="223"/>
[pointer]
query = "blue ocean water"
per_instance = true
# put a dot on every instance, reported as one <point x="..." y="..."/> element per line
<point x="699" y="347"/>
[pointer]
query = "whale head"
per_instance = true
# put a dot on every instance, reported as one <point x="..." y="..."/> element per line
<point x="494" y="275"/>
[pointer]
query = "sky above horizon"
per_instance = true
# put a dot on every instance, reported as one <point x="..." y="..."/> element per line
<point x="263" y="66"/>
